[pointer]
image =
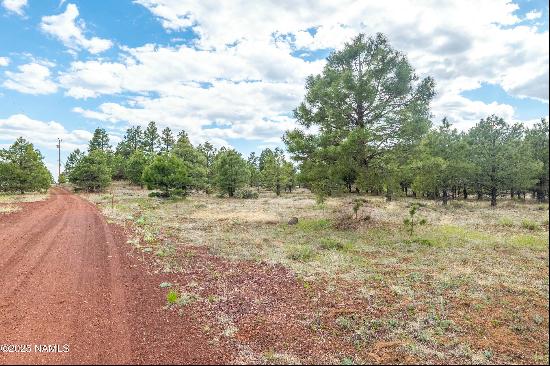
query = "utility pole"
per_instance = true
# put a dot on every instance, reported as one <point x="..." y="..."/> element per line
<point x="58" y="160"/>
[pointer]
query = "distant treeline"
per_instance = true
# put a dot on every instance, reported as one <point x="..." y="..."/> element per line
<point x="175" y="166"/>
<point x="365" y="126"/>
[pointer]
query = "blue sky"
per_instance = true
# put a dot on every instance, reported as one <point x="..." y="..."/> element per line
<point x="231" y="73"/>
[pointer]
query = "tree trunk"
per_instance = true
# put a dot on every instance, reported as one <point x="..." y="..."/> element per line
<point x="465" y="193"/>
<point x="540" y="195"/>
<point x="493" y="196"/>
<point x="388" y="195"/>
<point x="445" y="196"/>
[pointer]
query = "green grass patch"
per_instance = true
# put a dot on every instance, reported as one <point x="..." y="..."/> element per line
<point x="529" y="225"/>
<point x="506" y="221"/>
<point x="529" y="241"/>
<point x="310" y="225"/>
<point x="301" y="253"/>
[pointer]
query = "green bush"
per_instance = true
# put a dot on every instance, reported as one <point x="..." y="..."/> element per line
<point x="529" y="225"/>
<point x="330" y="244"/>
<point x="22" y="169"/>
<point x="92" y="173"/>
<point x="172" y="297"/>
<point x="506" y="221"/>
<point x="300" y="253"/>
<point x="247" y="194"/>
<point x="167" y="173"/>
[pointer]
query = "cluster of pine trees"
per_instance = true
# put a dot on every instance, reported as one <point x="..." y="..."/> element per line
<point x="366" y="126"/>
<point x="174" y="166"/>
<point x="22" y="169"/>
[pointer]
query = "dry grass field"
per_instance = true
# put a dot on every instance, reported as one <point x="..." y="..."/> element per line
<point x="12" y="202"/>
<point x="470" y="286"/>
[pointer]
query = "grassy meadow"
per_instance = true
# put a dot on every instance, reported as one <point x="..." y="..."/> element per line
<point x="469" y="286"/>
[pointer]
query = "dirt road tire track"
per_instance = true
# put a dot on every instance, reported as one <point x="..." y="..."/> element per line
<point x="66" y="277"/>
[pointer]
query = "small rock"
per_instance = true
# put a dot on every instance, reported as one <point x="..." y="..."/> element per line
<point x="293" y="221"/>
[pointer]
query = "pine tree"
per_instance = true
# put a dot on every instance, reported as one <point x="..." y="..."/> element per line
<point x="230" y="171"/>
<point x="135" y="167"/>
<point x="99" y="141"/>
<point x="92" y="173"/>
<point x="22" y="168"/>
<point x="72" y="160"/>
<point x="195" y="162"/>
<point x="167" y="140"/>
<point x="209" y="152"/>
<point x="167" y="173"/>
<point x="495" y="154"/>
<point x="151" y="138"/>
<point x="367" y="102"/>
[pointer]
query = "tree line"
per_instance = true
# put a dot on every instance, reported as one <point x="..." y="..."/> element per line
<point x="365" y="125"/>
<point x="173" y="165"/>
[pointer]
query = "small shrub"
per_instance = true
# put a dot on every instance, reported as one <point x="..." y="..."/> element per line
<point x="300" y="253"/>
<point x="247" y="194"/>
<point x="159" y="194"/>
<point x="411" y="221"/>
<point x="313" y="224"/>
<point x="529" y="225"/>
<point x="330" y="244"/>
<point x="357" y="204"/>
<point x="172" y="297"/>
<point x="506" y="221"/>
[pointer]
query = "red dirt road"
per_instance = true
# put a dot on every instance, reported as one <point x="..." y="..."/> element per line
<point x="66" y="279"/>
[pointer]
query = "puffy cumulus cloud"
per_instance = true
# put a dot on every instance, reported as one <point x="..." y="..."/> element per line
<point x="65" y="27"/>
<point x="242" y="77"/>
<point x="15" y="6"/>
<point x="32" y="78"/>
<point x="41" y="134"/>
<point x="4" y="61"/>
<point x="165" y="69"/>
<point x="533" y="14"/>
<point x="225" y="110"/>
<point x="478" y="40"/>
<point x="464" y="113"/>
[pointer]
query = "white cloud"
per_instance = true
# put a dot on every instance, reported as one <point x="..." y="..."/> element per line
<point x="4" y="61"/>
<point x="68" y="30"/>
<point x="41" y="134"/>
<point x="15" y="6"/>
<point x="32" y="78"/>
<point x="533" y="14"/>
<point x="205" y="88"/>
